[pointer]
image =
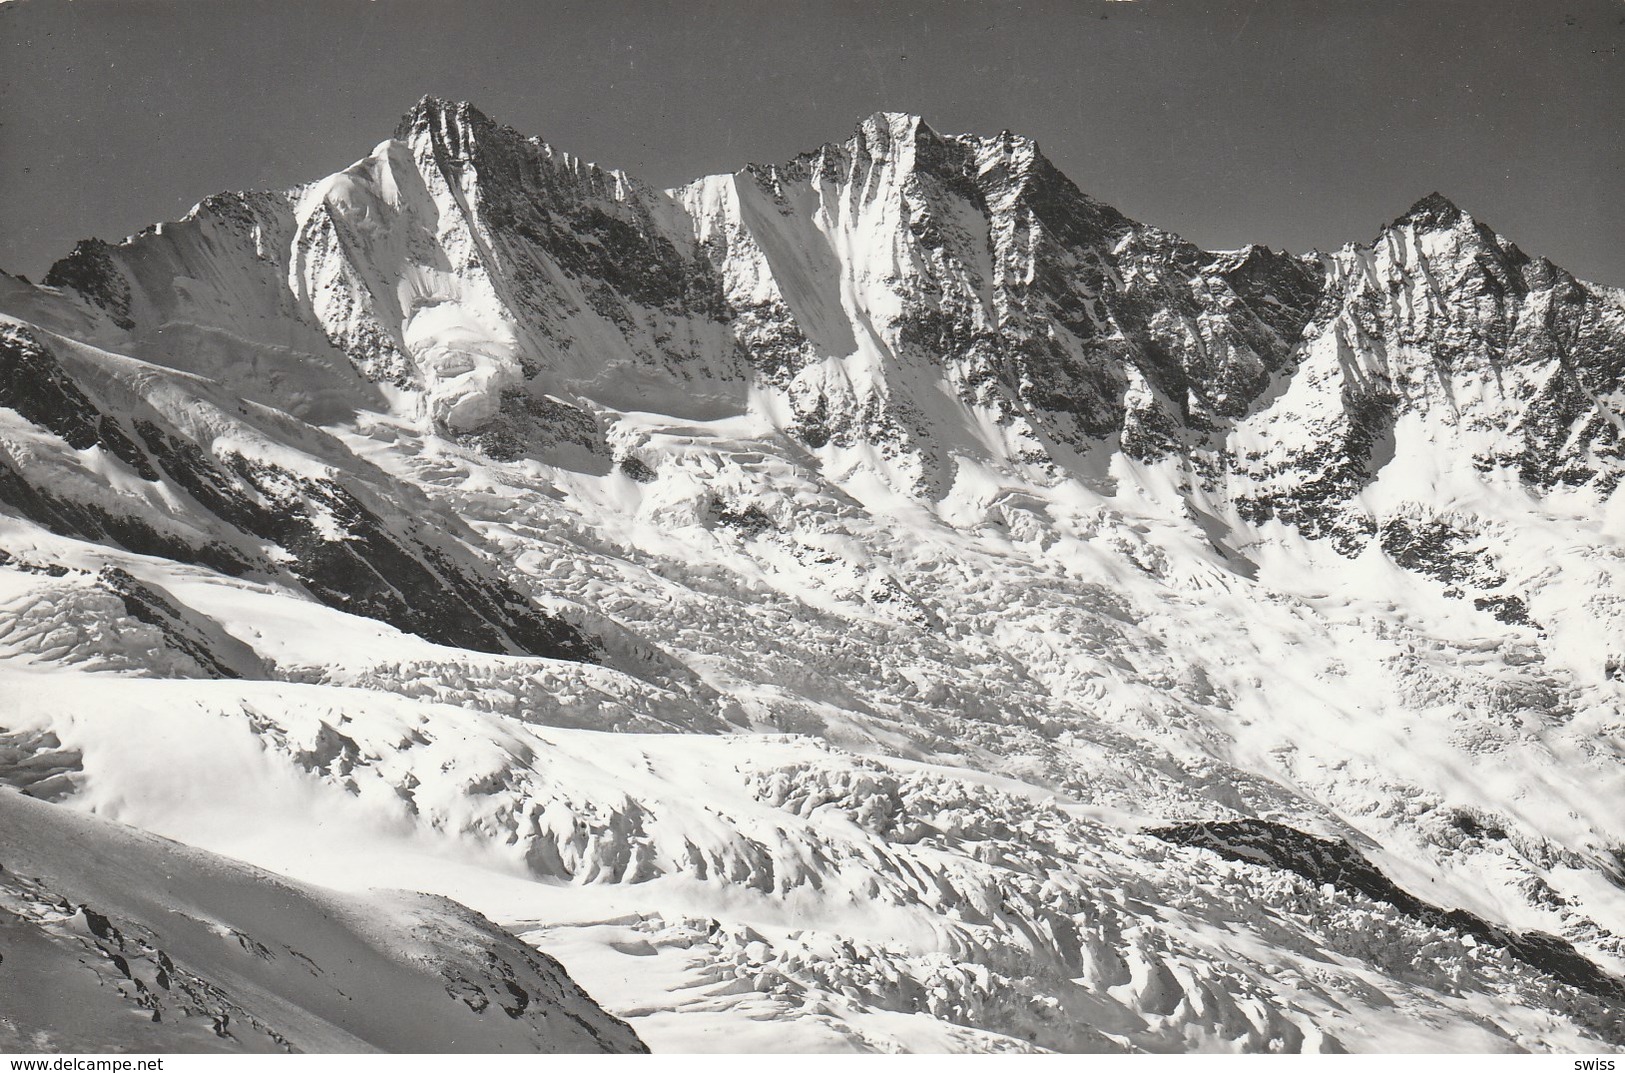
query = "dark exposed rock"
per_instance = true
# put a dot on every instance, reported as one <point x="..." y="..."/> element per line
<point x="33" y="383"/>
<point x="1324" y="860"/>
<point x="1474" y="827"/>
<point x="530" y="423"/>
<point x="1280" y="290"/>
<point x="1453" y="557"/>
<point x="749" y="519"/>
<point x="205" y="642"/>
<point x="98" y="924"/>
<point x="637" y="469"/>
<point x="1509" y="609"/>
<point x="531" y="198"/>
<point x="519" y="999"/>
<point x="346" y="542"/>
<point x="89" y="521"/>
<point x="1435" y="210"/>
<point x="1333" y="472"/>
<point x="90" y="271"/>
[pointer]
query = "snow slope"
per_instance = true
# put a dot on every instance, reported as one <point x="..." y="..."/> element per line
<point x="839" y="901"/>
<point x="888" y="600"/>
<point x="119" y="940"/>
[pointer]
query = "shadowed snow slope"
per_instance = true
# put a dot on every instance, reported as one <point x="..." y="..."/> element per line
<point x="883" y="601"/>
<point x="116" y="938"/>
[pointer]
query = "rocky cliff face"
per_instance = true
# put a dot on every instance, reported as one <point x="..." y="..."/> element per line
<point x="868" y="275"/>
<point x="1441" y="337"/>
<point x="111" y="450"/>
<point x="496" y="288"/>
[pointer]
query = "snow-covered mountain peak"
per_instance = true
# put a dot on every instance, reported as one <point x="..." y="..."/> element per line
<point x="1433" y="211"/>
<point x="883" y="126"/>
<point x="1438" y="228"/>
<point x="454" y="126"/>
<point x="895" y="138"/>
<point x="907" y="143"/>
<point x="463" y="265"/>
<point x="456" y="133"/>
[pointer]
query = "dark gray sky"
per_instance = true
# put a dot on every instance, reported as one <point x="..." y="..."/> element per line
<point x="1299" y="123"/>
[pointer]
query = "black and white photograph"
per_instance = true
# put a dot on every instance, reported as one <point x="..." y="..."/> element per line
<point x="811" y="526"/>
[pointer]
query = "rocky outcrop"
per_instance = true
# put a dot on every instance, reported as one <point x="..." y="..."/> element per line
<point x="163" y="465"/>
<point x="1440" y="338"/>
<point x="1324" y="860"/>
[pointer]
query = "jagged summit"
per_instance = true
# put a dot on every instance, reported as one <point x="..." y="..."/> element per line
<point x="454" y="127"/>
<point x="456" y="130"/>
<point x="898" y="124"/>
<point x="1032" y="299"/>
<point x="1433" y="211"/>
<point x="431" y="112"/>
<point x="920" y="145"/>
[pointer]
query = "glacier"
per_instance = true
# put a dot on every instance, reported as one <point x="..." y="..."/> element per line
<point x="885" y="601"/>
